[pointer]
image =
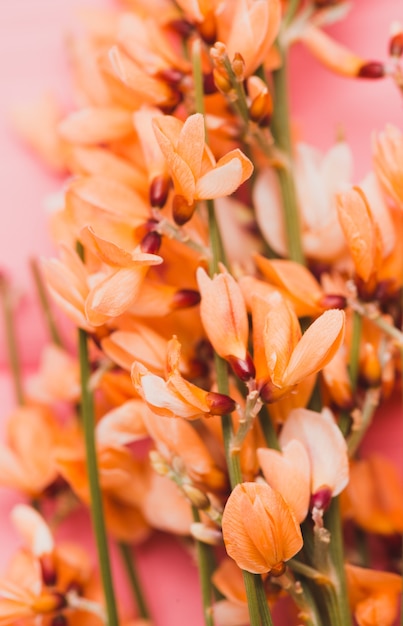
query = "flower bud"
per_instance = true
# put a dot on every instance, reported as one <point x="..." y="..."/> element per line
<point x="199" y="499"/>
<point x="261" y="109"/>
<point x="158" y="463"/>
<point x="396" y="40"/>
<point x="238" y="67"/>
<point x="182" y="211"/>
<point x="333" y="301"/>
<point x="219" y="403"/>
<point x="243" y="368"/>
<point x="371" y="70"/>
<point x="370" y="367"/>
<point x="185" y="298"/>
<point x="222" y="80"/>
<point x="206" y="534"/>
<point x="159" y="189"/>
<point x="207" y="28"/>
<point x="151" y="242"/>
<point x="48" y="602"/>
<point x="321" y="499"/>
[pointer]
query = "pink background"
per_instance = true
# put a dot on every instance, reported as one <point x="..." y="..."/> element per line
<point x="32" y="60"/>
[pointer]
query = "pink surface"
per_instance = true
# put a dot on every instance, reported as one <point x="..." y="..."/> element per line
<point x="32" y="60"/>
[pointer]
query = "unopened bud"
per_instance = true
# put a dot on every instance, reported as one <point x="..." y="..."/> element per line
<point x="199" y="499"/>
<point x="159" y="190"/>
<point x="261" y="109"/>
<point x="243" y="368"/>
<point x="218" y="54"/>
<point x="396" y="40"/>
<point x="238" y="67"/>
<point x="209" y="85"/>
<point x="182" y="211"/>
<point x="333" y="301"/>
<point x="158" y="463"/>
<point x="222" y="81"/>
<point x="205" y="534"/>
<point x="370" y="367"/>
<point x="151" y="242"/>
<point x="266" y="391"/>
<point x="371" y="70"/>
<point x="321" y="499"/>
<point x="219" y="403"/>
<point x="185" y="298"/>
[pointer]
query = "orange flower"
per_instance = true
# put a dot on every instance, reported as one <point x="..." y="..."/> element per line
<point x="373" y="595"/>
<point x="387" y="151"/>
<point x="27" y="460"/>
<point x="325" y="445"/>
<point x="193" y="168"/>
<point x="43" y="578"/>
<point x="259" y="529"/>
<point x="282" y="356"/>
<point x="248" y="28"/>
<point x="177" y="397"/>
<point x="373" y="496"/>
<point x="224" y="317"/>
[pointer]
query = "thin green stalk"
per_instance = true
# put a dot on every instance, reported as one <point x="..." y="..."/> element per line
<point x="129" y="561"/>
<point x="281" y="131"/>
<point x="355" y="350"/>
<point x="98" y="521"/>
<point x="197" y="77"/>
<point x="204" y="561"/>
<point x="44" y="302"/>
<point x="11" y="338"/>
<point x="262" y="600"/>
<point x="333" y="524"/>
<point x="251" y="594"/>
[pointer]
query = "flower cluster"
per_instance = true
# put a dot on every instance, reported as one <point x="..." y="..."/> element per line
<point x="237" y="301"/>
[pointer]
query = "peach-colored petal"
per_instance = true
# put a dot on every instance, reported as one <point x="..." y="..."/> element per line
<point x="259" y="529"/>
<point x="123" y="347"/>
<point x="33" y="529"/>
<point x="333" y="55"/>
<point x="269" y="210"/>
<point x="227" y="175"/>
<point x="223" y="314"/>
<point x="122" y="425"/>
<point x="317" y="346"/>
<point x="325" y="445"/>
<point x="288" y="472"/>
<point x="96" y="125"/>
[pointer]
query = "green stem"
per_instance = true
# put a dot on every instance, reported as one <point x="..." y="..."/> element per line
<point x="11" y="338"/>
<point x="204" y="560"/>
<point x="129" y="562"/>
<point x="333" y="524"/>
<point x="98" y="522"/>
<point x="262" y="601"/>
<point x="355" y="349"/>
<point x="251" y="594"/>
<point x="269" y="432"/>
<point x="282" y="134"/>
<point x="44" y="302"/>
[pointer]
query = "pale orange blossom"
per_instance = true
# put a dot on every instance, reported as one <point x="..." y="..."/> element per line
<point x="193" y="168"/>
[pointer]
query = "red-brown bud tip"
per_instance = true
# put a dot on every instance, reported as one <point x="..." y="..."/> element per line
<point x="220" y="404"/>
<point x="181" y="210"/>
<point x="151" y="242"/>
<point x="185" y="298"/>
<point x="266" y="390"/>
<point x="48" y="570"/>
<point x="182" y="27"/>
<point x="158" y="192"/>
<point x="371" y="70"/>
<point x="209" y="85"/>
<point x="333" y="301"/>
<point x="243" y="368"/>
<point x="321" y="499"/>
<point x="396" y="45"/>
